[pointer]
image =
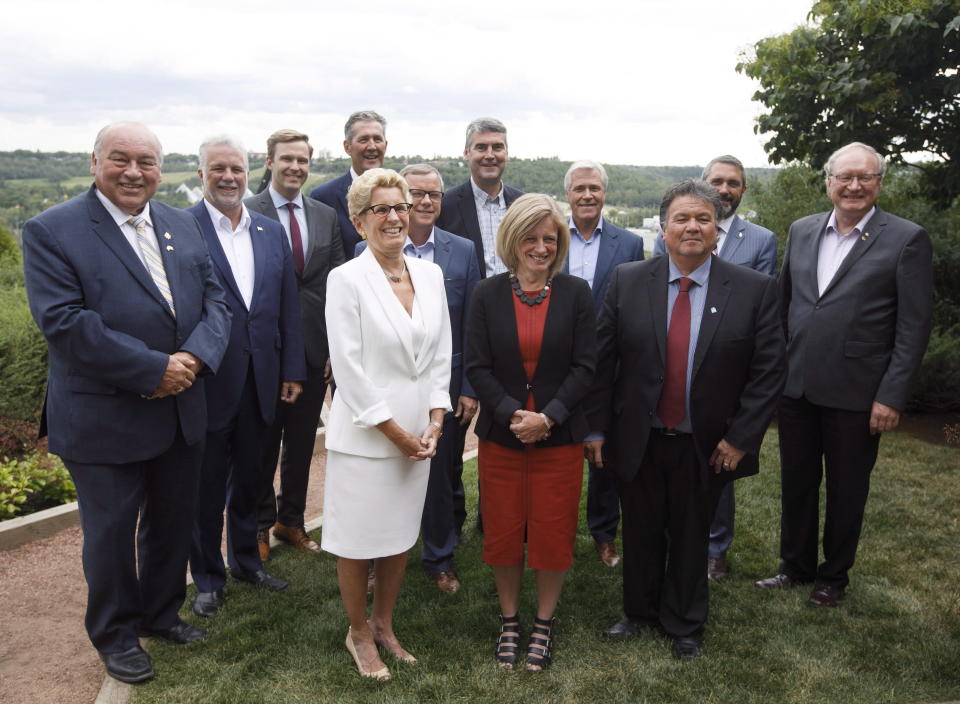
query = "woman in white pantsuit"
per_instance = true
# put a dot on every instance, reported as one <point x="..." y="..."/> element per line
<point x="389" y="334"/>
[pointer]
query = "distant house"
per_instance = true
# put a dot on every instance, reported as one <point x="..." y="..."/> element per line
<point x="194" y="195"/>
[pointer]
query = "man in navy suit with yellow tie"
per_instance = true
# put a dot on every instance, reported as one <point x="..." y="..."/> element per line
<point x="123" y="290"/>
<point x="744" y="243"/>
<point x="264" y="361"/>
<point x="365" y="142"/>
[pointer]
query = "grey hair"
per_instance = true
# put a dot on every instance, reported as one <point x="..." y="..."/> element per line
<point x="225" y="140"/>
<point x="98" y="141"/>
<point x="694" y="188"/>
<point x="584" y="164"/>
<point x="421" y="170"/>
<point x="881" y="162"/>
<point x="363" y="116"/>
<point x="484" y="124"/>
<point x="725" y="159"/>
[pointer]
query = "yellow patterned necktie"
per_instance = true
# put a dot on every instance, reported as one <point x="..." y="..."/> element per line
<point x="151" y="257"/>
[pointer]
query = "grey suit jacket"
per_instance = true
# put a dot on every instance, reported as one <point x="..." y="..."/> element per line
<point x="324" y="252"/>
<point x="746" y="244"/>
<point x="864" y="338"/>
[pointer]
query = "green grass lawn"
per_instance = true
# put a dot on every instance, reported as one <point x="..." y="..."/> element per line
<point x="896" y="638"/>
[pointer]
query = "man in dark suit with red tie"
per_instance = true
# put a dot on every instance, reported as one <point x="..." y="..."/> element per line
<point x="691" y="364"/>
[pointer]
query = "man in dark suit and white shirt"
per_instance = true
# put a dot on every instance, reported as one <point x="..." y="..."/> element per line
<point x="365" y="142"/>
<point x="314" y="237"/>
<point x="444" y="510"/>
<point x="474" y="209"/>
<point x="123" y="289"/>
<point x="738" y="242"/>
<point x="691" y="366"/>
<point x="263" y="362"/>
<point x="857" y="301"/>
<point x="596" y="248"/>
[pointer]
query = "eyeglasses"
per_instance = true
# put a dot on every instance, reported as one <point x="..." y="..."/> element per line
<point x="382" y="210"/>
<point x="864" y="179"/>
<point x="418" y="194"/>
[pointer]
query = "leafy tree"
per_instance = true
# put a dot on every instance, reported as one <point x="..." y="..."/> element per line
<point x="882" y="72"/>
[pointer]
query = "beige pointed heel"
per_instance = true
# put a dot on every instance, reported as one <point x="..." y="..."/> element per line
<point x="381" y="675"/>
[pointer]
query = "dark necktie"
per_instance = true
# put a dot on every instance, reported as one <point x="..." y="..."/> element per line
<point x="296" y="240"/>
<point x="670" y="408"/>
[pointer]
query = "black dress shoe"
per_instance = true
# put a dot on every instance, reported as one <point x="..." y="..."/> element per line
<point x="826" y="595"/>
<point x="777" y="581"/>
<point x="717" y="568"/>
<point x="627" y="628"/>
<point x="131" y="666"/>
<point x="180" y="634"/>
<point x="260" y="579"/>
<point x="687" y="648"/>
<point x="207" y="604"/>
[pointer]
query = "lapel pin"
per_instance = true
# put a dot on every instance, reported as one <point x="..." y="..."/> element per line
<point x="740" y="235"/>
<point x="864" y="236"/>
<point x="167" y="236"/>
<point x="712" y="309"/>
<point x="259" y="229"/>
<point x="169" y="247"/>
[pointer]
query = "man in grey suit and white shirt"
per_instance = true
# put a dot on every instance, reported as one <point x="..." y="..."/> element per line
<point x="738" y="242"/>
<point x="314" y="237"/>
<point x="856" y="295"/>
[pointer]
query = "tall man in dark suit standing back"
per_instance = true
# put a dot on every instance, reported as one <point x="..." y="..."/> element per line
<point x="596" y="248"/>
<point x="474" y="209"/>
<point x="691" y="366"/>
<point x="314" y="237"/>
<point x="264" y="361"/>
<point x="365" y="142"/>
<point x="738" y="242"/>
<point x="124" y="291"/>
<point x="857" y="300"/>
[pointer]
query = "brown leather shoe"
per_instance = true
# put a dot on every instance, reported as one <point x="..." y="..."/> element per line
<point x="296" y="536"/>
<point x="777" y="581"/>
<point x="717" y="568"/>
<point x="608" y="552"/>
<point x="263" y="544"/>
<point x="826" y="595"/>
<point x="446" y="582"/>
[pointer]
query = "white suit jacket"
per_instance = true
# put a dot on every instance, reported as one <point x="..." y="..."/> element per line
<point x="378" y="373"/>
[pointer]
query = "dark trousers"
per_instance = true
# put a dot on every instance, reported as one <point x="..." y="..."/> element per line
<point x="667" y="508"/>
<point x="296" y="425"/>
<point x="444" y="509"/>
<point x="229" y="478"/>
<point x="136" y="575"/>
<point x="814" y="438"/>
<point x="721" y="530"/>
<point x="603" y="504"/>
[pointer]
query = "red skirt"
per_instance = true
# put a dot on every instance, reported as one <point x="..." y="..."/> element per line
<point x="530" y="495"/>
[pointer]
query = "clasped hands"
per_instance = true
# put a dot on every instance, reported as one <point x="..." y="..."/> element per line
<point x="181" y="372"/>
<point x="528" y="426"/>
<point x="415" y="448"/>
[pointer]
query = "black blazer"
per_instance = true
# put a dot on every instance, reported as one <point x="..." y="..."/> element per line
<point x="739" y="365"/>
<point x="564" y="372"/>
<point x="458" y="214"/>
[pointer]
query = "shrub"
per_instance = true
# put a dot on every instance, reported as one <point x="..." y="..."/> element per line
<point x="938" y="383"/>
<point x="31" y="484"/>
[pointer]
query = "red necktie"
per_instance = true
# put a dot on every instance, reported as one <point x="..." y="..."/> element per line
<point x="295" y="239"/>
<point x="670" y="408"/>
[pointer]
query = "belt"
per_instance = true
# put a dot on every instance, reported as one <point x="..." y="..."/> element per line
<point x="671" y="433"/>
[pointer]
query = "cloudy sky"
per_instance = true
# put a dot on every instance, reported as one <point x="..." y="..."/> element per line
<point x="625" y="82"/>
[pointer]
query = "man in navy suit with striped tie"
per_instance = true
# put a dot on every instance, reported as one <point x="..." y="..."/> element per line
<point x="738" y="242"/>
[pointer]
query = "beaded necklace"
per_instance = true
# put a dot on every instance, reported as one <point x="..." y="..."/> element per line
<point x="524" y="298"/>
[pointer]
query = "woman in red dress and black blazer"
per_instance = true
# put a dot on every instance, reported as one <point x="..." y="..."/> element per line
<point x="531" y="360"/>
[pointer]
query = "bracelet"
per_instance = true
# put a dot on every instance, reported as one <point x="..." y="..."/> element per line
<point x="545" y="421"/>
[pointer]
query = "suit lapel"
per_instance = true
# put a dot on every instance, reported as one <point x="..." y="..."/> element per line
<point x="216" y="251"/>
<point x="441" y="250"/>
<point x="718" y="291"/>
<point x="813" y="253"/>
<point x="260" y="251"/>
<point x="733" y="240"/>
<point x="871" y="233"/>
<point x="657" y="298"/>
<point x="389" y="304"/>
<point x="168" y="252"/>
<point x="609" y="242"/>
<point x="313" y="234"/>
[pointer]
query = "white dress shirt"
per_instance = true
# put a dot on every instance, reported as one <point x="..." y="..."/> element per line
<point x="835" y="247"/>
<point x="238" y="248"/>
<point x="128" y="230"/>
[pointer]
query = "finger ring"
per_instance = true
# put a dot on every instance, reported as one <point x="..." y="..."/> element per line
<point x="726" y="464"/>
<point x="517" y="436"/>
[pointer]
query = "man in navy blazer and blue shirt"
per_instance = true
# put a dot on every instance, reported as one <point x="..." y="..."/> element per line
<point x="474" y="209"/>
<point x="739" y="242"/>
<point x="314" y="236"/>
<point x="365" y="142"/>
<point x="596" y="248"/>
<point x="264" y="361"/>
<point x="123" y="290"/>
<point x="444" y="509"/>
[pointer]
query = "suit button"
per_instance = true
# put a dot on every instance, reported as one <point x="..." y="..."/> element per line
<point x="246" y="350"/>
<point x="660" y="379"/>
<point x="817" y="307"/>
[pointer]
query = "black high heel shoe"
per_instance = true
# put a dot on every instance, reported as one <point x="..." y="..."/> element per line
<point x="507" y="648"/>
<point x="540" y="645"/>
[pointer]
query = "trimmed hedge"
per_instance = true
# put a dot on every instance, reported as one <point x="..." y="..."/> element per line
<point x="37" y="481"/>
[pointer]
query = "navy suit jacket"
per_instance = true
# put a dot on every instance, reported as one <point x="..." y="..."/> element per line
<point x="110" y="333"/>
<point x="746" y="244"/>
<point x="458" y="214"/>
<point x="617" y="246"/>
<point x="458" y="262"/>
<point x="269" y="334"/>
<point x="334" y="194"/>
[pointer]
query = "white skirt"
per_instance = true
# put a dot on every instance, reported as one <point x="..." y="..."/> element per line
<point x="372" y="506"/>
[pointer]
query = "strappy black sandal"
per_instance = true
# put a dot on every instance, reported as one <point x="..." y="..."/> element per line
<point x="540" y="645"/>
<point x="507" y="648"/>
